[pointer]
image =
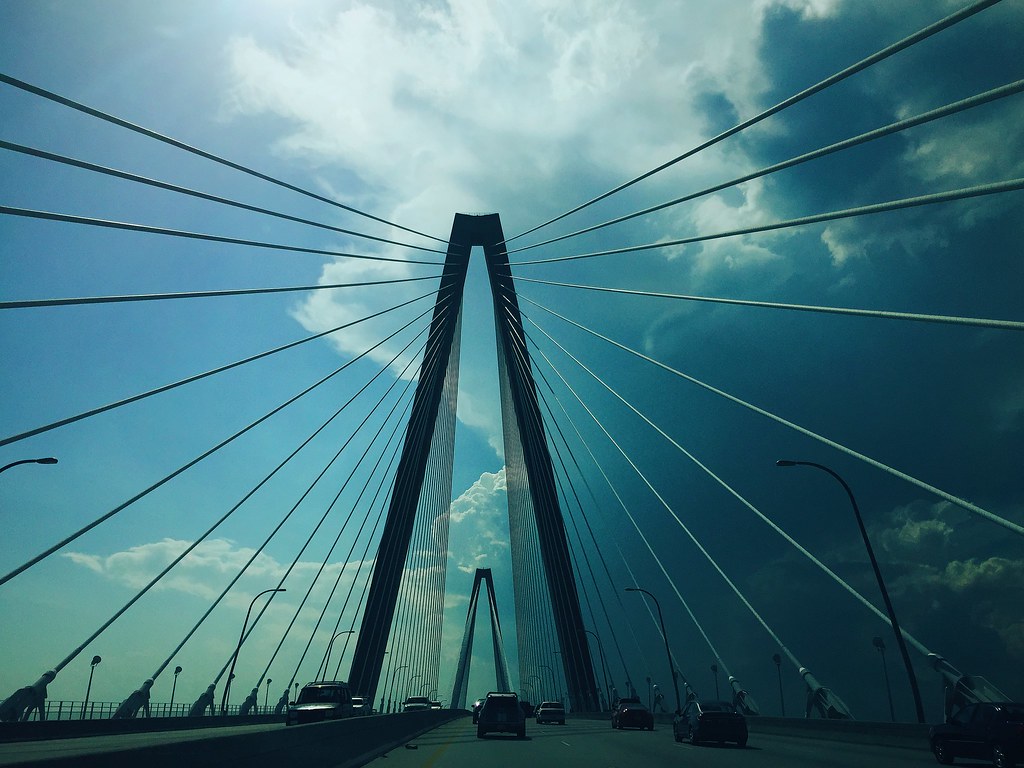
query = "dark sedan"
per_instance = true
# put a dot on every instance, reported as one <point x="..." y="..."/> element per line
<point x="710" y="721"/>
<point x="986" y="731"/>
<point x="631" y="713"/>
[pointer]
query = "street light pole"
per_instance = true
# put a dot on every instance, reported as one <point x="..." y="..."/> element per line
<point x="92" y="668"/>
<point x="604" y="663"/>
<point x="880" y="645"/>
<point x="778" y="668"/>
<point x="878" y="575"/>
<point x="327" y="658"/>
<point x="408" y="684"/>
<point x="554" y="682"/>
<point x="47" y="460"/>
<point x="391" y="688"/>
<point x="174" y="687"/>
<point x="266" y="697"/>
<point x="234" y="656"/>
<point x="664" y="636"/>
<point x="714" y="671"/>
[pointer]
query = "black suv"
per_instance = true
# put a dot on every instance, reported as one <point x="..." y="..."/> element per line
<point x="501" y="713"/>
<point x="985" y="731"/>
<point x="321" y="700"/>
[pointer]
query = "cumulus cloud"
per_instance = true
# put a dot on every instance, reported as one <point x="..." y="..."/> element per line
<point x="479" y="533"/>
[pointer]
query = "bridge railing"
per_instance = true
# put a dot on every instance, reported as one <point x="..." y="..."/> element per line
<point x="104" y="710"/>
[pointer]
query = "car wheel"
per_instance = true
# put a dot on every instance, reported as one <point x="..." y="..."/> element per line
<point x="941" y="751"/>
<point x="693" y="737"/>
<point x="522" y="733"/>
<point x="480" y="733"/>
<point x="999" y="757"/>
<point x="742" y="743"/>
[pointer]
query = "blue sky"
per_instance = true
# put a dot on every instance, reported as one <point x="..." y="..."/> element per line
<point x="413" y="112"/>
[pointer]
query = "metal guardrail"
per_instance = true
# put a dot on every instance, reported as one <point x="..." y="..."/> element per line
<point x="104" y="710"/>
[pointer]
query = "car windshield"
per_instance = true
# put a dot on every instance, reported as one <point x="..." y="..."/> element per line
<point x="633" y="705"/>
<point x="321" y="694"/>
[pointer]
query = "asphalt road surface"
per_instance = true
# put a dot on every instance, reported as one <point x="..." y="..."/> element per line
<point x="594" y="744"/>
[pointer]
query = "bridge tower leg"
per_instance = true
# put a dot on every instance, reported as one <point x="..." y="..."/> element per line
<point x="467" y="231"/>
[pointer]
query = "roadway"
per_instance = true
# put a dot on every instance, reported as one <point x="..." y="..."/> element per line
<point x="594" y="744"/>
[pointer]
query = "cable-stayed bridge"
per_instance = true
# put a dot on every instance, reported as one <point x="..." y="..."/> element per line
<point x="310" y="485"/>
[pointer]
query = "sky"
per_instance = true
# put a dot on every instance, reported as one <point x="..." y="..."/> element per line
<point x="412" y="112"/>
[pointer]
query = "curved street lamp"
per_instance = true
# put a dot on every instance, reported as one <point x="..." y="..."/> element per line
<point x="92" y="668"/>
<point x="878" y="575"/>
<point x="408" y="684"/>
<point x="554" y="682"/>
<point x="664" y="635"/>
<point x="234" y="656"/>
<point x="778" y="668"/>
<point x="46" y="460"/>
<point x="327" y="658"/>
<point x="174" y="687"/>
<point x="391" y="688"/>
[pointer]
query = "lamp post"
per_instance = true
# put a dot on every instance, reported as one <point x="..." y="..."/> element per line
<point x="327" y="658"/>
<point x="778" y="668"/>
<point x="604" y="663"/>
<point x="540" y="687"/>
<point x="234" y="656"/>
<point x="47" y="460"/>
<point x="878" y="575"/>
<point x="554" y="682"/>
<point x="92" y="668"/>
<point x="408" y="684"/>
<point x="391" y="687"/>
<point x="649" y="704"/>
<point x="714" y="671"/>
<point x="174" y="687"/>
<point x="664" y="635"/>
<point x="880" y="645"/>
<point x="266" y="697"/>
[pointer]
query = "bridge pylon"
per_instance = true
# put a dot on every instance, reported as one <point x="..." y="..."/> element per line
<point x="519" y="402"/>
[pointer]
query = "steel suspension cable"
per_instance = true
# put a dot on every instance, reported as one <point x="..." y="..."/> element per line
<point x="309" y="539"/>
<point x="739" y="497"/>
<point x="135" y="178"/>
<point x="886" y="52"/>
<point x="65" y="302"/>
<point x="900" y="125"/>
<point x="962" y="503"/>
<point x="429" y="353"/>
<point x="978" y="190"/>
<point x="198" y="376"/>
<point x="147" y="229"/>
<point x="351" y="513"/>
<point x="700" y="547"/>
<point x="1007" y="325"/>
<point x="36" y="90"/>
<point x="103" y="518"/>
<point x="189" y="549"/>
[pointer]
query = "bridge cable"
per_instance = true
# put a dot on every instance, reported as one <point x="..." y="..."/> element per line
<point x="896" y="47"/>
<point x="962" y="503"/>
<point x="900" y="125"/>
<point x="427" y="351"/>
<point x="979" y="190"/>
<point x="189" y="549"/>
<point x="167" y="186"/>
<point x="195" y="151"/>
<point x="1009" y="325"/>
<point x="764" y="518"/>
<point x="401" y="397"/>
<point x="67" y="540"/>
<point x="147" y="229"/>
<point x="259" y="550"/>
<point x="672" y="512"/>
<point x="65" y="302"/>
<point x="198" y="376"/>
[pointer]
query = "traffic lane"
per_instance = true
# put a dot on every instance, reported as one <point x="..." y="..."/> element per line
<point x="594" y="744"/>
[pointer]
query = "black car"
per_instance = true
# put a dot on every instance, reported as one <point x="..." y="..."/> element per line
<point x="321" y="700"/>
<point x="631" y="713"/>
<point x="710" y="721"/>
<point x="987" y="731"/>
<point x="501" y="713"/>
